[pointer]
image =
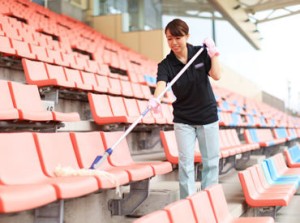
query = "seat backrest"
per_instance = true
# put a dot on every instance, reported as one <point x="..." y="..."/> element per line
<point x="5" y="98"/>
<point x="274" y="171"/>
<point x="169" y="143"/>
<point x="202" y="208"/>
<point x="180" y="211"/>
<point x="131" y="107"/>
<point x="268" y="174"/>
<point x="115" y="84"/>
<point x="87" y="146"/>
<point x="73" y="76"/>
<point x="256" y="180"/>
<point x="234" y="137"/>
<point x="117" y="106"/>
<point x="103" y="82"/>
<point x="170" y="147"/>
<point x="89" y="78"/>
<point x="121" y="155"/>
<point x="292" y="154"/>
<point x="219" y="203"/>
<point x="99" y="105"/>
<point x="265" y="134"/>
<point x="126" y="88"/>
<point x="261" y="175"/>
<point x="19" y="161"/>
<point x="288" y="156"/>
<point x="56" y="72"/>
<point x="254" y="135"/>
<point x="146" y="91"/>
<point x="6" y="46"/>
<point x="248" y="186"/>
<point x="55" y="55"/>
<point x="248" y="136"/>
<point x="224" y="140"/>
<point x="160" y="216"/>
<point x="55" y="149"/>
<point x="34" y="70"/>
<point x="26" y="97"/>
<point x="280" y="162"/>
<point x="137" y="90"/>
<point x="167" y="113"/>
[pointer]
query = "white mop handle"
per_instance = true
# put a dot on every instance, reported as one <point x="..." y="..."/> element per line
<point x="100" y="159"/>
<point x="179" y="74"/>
<point x="131" y="127"/>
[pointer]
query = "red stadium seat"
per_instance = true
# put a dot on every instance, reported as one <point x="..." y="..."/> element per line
<point x="108" y="109"/>
<point x="132" y="109"/>
<point x="40" y="53"/>
<point x="256" y="199"/>
<point x="7" y="110"/>
<point x="126" y="88"/>
<point x="56" y="149"/>
<point x="87" y="146"/>
<point x="33" y="109"/>
<point x="122" y="158"/>
<point x="180" y="211"/>
<point x="160" y="216"/>
<point x="221" y="211"/>
<point x="202" y="207"/>
<point x="22" y="49"/>
<point x="170" y="147"/>
<point x="23" y="186"/>
<point x="6" y="47"/>
<point x="57" y="74"/>
<point x="74" y="76"/>
<point x="103" y="84"/>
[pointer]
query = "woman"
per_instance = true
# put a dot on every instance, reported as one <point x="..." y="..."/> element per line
<point x="195" y="108"/>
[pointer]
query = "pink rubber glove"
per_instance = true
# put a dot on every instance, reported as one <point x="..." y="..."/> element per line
<point x="211" y="47"/>
<point x="155" y="105"/>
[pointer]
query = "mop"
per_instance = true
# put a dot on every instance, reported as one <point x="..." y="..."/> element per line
<point x="60" y="171"/>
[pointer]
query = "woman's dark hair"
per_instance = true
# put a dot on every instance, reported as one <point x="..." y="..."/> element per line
<point x="177" y="27"/>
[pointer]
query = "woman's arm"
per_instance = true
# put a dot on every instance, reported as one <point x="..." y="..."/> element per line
<point x="160" y="87"/>
<point x="216" y="69"/>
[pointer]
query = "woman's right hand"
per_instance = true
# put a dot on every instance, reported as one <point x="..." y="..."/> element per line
<point x="155" y="105"/>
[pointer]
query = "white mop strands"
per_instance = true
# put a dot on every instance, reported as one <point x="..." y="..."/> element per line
<point x="60" y="171"/>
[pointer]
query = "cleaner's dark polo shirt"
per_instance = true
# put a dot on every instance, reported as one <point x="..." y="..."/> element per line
<point x="195" y="102"/>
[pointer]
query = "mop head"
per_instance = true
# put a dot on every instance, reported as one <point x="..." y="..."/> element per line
<point x="60" y="171"/>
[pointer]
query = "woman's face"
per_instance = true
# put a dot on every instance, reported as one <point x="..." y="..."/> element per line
<point x="176" y="43"/>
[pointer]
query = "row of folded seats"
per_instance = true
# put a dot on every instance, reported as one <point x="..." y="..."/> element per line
<point x="236" y="119"/>
<point x="108" y="107"/>
<point x="233" y="146"/>
<point x="272" y="184"/>
<point x="28" y="162"/>
<point x="209" y="205"/>
<point x="21" y="104"/>
<point x="45" y="74"/>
